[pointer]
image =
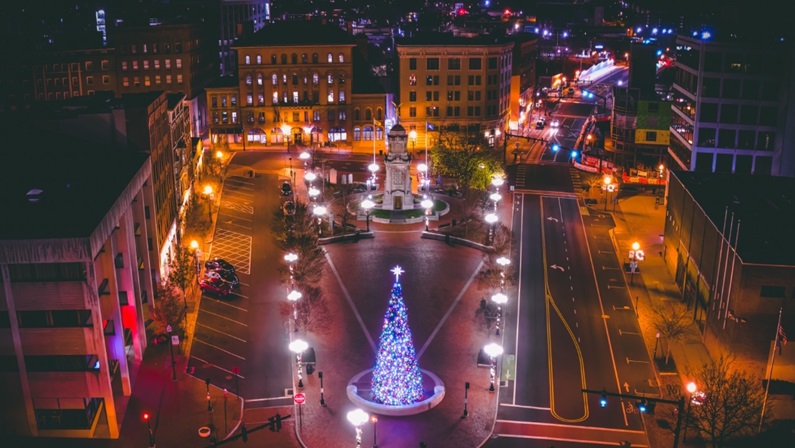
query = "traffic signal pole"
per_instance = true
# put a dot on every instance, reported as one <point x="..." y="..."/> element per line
<point x="680" y="405"/>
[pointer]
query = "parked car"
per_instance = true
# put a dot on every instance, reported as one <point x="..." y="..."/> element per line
<point x="224" y="276"/>
<point x="541" y="123"/>
<point x="219" y="264"/>
<point x="554" y="123"/>
<point x="216" y="287"/>
<point x="286" y="189"/>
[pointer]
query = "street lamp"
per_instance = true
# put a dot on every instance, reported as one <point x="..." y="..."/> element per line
<point x="635" y="255"/>
<point x="374" y="421"/>
<point x="313" y="193"/>
<point x="298" y="346"/>
<point x="423" y="168"/>
<point x="319" y="211"/>
<point x="358" y="417"/>
<point x="427" y="204"/>
<point x="413" y="138"/>
<point x="608" y="187"/>
<point x="503" y="262"/>
<point x="208" y="193"/>
<point x="286" y="132"/>
<point x="367" y="204"/>
<point x="500" y="299"/>
<point x="294" y="296"/>
<point x="493" y="350"/>
<point x="491" y="219"/>
<point x="691" y="389"/>
<point x="310" y="177"/>
<point x="373" y="167"/>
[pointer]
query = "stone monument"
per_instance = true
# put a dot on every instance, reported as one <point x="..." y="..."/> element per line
<point x="397" y="185"/>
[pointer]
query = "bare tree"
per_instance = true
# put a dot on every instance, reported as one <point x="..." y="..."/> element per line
<point x="731" y="406"/>
<point x="182" y="271"/>
<point x="312" y="311"/>
<point x="169" y="310"/>
<point x="490" y="277"/>
<point x="672" y="323"/>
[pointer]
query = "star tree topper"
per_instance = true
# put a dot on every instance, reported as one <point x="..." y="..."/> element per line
<point x="397" y="270"/>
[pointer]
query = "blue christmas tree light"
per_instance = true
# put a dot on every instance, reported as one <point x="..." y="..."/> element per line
<point x="396" y="377"/>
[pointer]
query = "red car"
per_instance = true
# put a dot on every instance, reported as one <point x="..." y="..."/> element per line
<point x="215" y="286"/>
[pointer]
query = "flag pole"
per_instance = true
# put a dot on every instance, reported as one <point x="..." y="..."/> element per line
<point x="770" y="370"/>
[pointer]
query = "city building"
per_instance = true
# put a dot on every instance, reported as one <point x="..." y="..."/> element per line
<point x="135" y="122"/>
<point x="74" y="275"/>
<point x="180" y="144"/>
<point x="731" y="108"/>
<point x="734" y="265"/>
<point x="523" y="80"/>
<point x="238" y="18"/>
<point x="447" y="82"/>
<point x="295" y="81"/>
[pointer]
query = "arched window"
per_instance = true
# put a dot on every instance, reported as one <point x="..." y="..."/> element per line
<point x="330" y="58"/>
<point x="248" y="80"/>
<point x="357" y="114"/>
<point x="368" y="114"/>
<point x="306" y="79"/>
<point x="295" y="78"/>
<point x="248" y="59"/>
<point x="341" y="58"/>
<point x="341" y="77"/>
<point x="314" y="58"/>
<point x="315" y="78"/>
<point x="303" y="58"/>
<point x="330" y="97"/>
<point x="259" y="59"/>
<point x="379" y="133"/>
<point x="337" y="134"/>
<point x="273" y="59"/>
<point x="294" y="58"/>
<point x="259" y="79"/>
<point x="357" y="134"/>
<point x="275" y="79"/>
<point x="379" y="114"/>
<point x="330" y="78"/>
<point x="367" y="133"/>
<point x="284" y="78"/>
<point x="284" y="58"/>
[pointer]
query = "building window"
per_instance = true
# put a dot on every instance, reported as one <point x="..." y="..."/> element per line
<point x="284" y="79"/>
<point x="432" y="80"/>
<point x="492" y="63"/>
<point x="368" y="114"/>
<point x="432" y="64"/>
<point x="179" y="78"/>
<point x="412" y="96"/>
<point x="474" y="63"/>
<point x="294" y="58"/>
<point x="178" y="62"/>
<point x="260" y="99"/>
<point x="330" y="58"/>
<point x="454" y="64"/>
<point x="284" y="59"/>
<point x="315" y="58"/>
<point x="168" y="64"/>
<point x="273" y="59"/>
<point x="357" y="135"/>
<point x="330" y="78"/>
<point x="275" y="79"/>
<point x="275" y="97"/>
<point x="303" y="58"/>
<point x="367" y="133"/>
<point x="249" y="99"/>
<point x="341" y="58"/>
<point x="259" y="59"/>
<point x="343" y="115"/>
<point x="157" y="63"/>
<point x="342" y="96"/>
<point x="412" y="112"/>
<point x="135" y="65"/>
<point x="412" y="63"/>
<point x="248" y="60"/>
<point x="330" y="96"/>
<point x="66" y="413"/>
<point x="412" y="80"/>
<point x="105" y="79"/>
<point x="775" y="292"/>
<point x="315" y="78"/>
<point x="379" y="114"/>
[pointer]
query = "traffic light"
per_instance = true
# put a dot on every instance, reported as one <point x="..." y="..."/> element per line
<point x="244" y="433"/>
<point x="272" y="424"/>
<point x="555" y="147"/>
<point x="603" y="399"/>
<point x="573" y="153"/>
<point x="642" y="405"/>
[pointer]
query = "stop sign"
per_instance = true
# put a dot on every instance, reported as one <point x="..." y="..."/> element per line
<point x="299" y="398"/>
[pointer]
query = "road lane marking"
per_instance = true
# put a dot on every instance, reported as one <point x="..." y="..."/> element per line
<point x="218" y="367"/>
<point x="241" y="218"/>
<point x="223" y="317"/>
<point x="221" y="332"/>
<point x="508" y="405"/>
<point x="232" y="223"/>
<point x="623" y="332"/>
<point x="239" y="295"/>
<point x="227" y="304"/>
<point x="217" y="348"/>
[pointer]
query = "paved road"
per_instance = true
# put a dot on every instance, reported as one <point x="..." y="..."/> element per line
<point x="559" y="327"/>
<point x="243" y="335"/>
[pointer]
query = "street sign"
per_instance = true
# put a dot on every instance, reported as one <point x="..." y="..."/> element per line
<point x="174" y="340"/>
<point x="639" y="255"/>
<point x="631" y="254"/>
<point x="299" y="398"/>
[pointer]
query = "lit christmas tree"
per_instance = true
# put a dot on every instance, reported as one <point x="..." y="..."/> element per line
<point x="396" y="377"/>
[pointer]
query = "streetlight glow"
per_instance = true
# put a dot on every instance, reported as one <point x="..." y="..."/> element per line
<point x="495" y="197"/>
<point x="304" y="156"/>
<point x="310" y="176"/>
<point x="291" y="257"/>
<point x="357" y="418"/>
<point x="194" y="244"/>
<point x="636" y="246"/>
<point x="294" y="296"/>
<point x="426" y="203"/>
<point x="373" y="167"/>
<point x="503" y="261"/>
<point x="313" y="192"/>
<point x="691" y="387"/>
<point x="422" y="167"/>
<point x="491" y="218"/>
<point x="499" y="298"/>
<point x="208" y="190"/>
<point x="319" y="210"/>
<point x="497" y="181"/>
<point x="298" y="347"/>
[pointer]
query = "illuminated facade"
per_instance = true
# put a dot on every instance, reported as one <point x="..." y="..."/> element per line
<point x="448" y="82"/>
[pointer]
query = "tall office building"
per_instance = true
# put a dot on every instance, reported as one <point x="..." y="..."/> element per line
<point x="731" y="108"/>
<point x="238" y="18"/>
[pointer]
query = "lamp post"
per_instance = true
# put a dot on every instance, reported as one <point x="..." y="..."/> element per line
<point x="635" y="255"/>
<point x="413" y="138"/>
<point x="500" y="299"/>
<point x="367" y="204"/>
<point x="286" y="132"/>
<point x="291" y="258"/>
<point x="691" y="389"/>
<point x="656" y="343"/>
<point x="608" y="187"/>
<point x="322" y="398"/>
<point x="491" y="219"/>
<point x="374" y="421"/>
<point x="149" y="430"/>
<point x="294" y="297"/>
<point x="373" y="167"/>
<point x="304" y="156"/>
<point x="171" y="348"/>
<point x="427" y="204"/>
<point x="219" y="155"/>
<point x="298" y="346"/>
<point x="208" y="193"/>
<point x="503" y="262"/>
<point x="423" y="168"/>
<point x="319" y="211"/>
<point x="493" y="350"/>
<point x="358" y="417"/>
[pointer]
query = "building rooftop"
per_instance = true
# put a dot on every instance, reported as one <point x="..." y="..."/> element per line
<point x="295" y="33"/>
<point x="764" y="205"/>
<point x="449" y="39"/>
<point x="79" y="182"/>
